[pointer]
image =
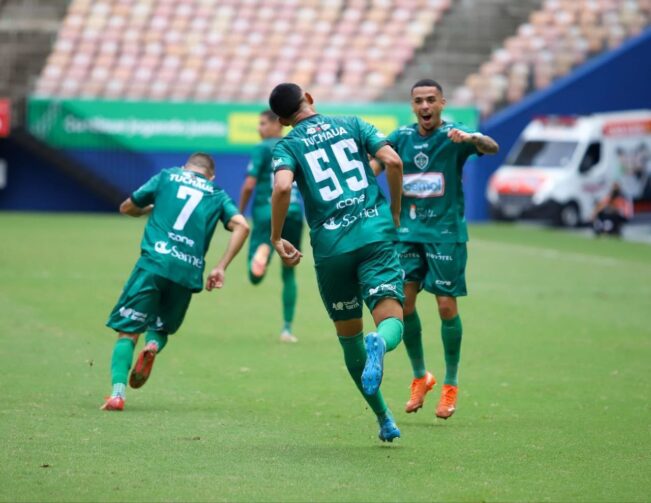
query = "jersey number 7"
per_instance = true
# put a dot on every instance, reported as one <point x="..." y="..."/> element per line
<point x="355" y="183"/>
<point x="193" y="197"/>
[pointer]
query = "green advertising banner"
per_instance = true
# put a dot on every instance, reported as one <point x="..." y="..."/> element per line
<point x="165" y="126"/>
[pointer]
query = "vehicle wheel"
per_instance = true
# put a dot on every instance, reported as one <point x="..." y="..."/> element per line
<point x="568" y="215"/>
<point x="496" y="214"/>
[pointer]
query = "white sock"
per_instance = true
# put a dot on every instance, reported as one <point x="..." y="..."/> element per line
<point x="119" y="389"/>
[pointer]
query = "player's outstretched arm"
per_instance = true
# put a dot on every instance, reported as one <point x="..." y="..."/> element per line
<point x="393" y="165"/>
<point x="484" y="143"/>
<point x="239" y="231"/>
<point x="246" y="191"/>
<point x="128" y="207"/>
<point x="280" y="198"/>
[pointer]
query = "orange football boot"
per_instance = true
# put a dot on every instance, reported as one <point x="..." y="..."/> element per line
<point x="113" y="403"/>
<point x="448" y="402"/>
<point x="419" y="388"/>
<point x="143" y="366"/>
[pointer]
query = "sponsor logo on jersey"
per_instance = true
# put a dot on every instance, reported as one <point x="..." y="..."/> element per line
<point x="420" y="213"/>
<point x="132" y="314"/>
<point x="438" y="256"/>
<point x="350" y="218"/>
<point x="162" y="247"/>
<point x="421" y="160"/>
<point x="384" y="287"/>
<point x="179" y="238"/>
<point x="423" y="185"/>
<point x="421" y="146"/>
<point x="189" y="178"/>
<point x="276" y="162"/>
<point x="321" y="135"/>
<point x="319" y="128"/>
<point x="347" y="305"/>
<point x="351" y="201"/>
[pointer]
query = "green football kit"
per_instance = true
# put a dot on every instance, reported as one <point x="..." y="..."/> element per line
<point x="345" y="210"/>
<point x="260" y="168"/>
<point x="187" y="207"/>
<point x="433" y="232"/>
<point x="352" y="235"/>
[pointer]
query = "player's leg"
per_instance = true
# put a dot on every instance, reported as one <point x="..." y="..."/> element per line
<point x="259" y="250"/>
<point x="351" y="338"/>
<point x="380" y="277"/>
<point x="292" y="231"/>
<point x="173" y="304"/>
<point x="129" y="318"/>
<point x="446" y="279"/>
<point x="339" y="289"/>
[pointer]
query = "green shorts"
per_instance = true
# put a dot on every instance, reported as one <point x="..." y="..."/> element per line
<point x="149" y="302"/>
<point x="439" y="268"/>
<point x="368" y="274"/>
<point x="261" y="232"/>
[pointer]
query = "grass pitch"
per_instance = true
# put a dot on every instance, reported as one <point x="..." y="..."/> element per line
<point x="554" y="398"/>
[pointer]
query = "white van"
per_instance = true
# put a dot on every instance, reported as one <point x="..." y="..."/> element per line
<point x="562" y="166"/>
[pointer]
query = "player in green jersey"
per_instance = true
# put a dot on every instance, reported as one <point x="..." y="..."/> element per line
<point x="352" y="230"/>
<point x="185" y="207"/>
<point x="433" y="231"/>
<point x="259" y="177"/>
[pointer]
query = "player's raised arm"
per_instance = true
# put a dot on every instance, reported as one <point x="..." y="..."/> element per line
<point x="128" y="207"/>
<point x="393" y="165"/>
<point x="280" y="198"/>
<point x="239" y="231"/>
<point x="484" y="143"/>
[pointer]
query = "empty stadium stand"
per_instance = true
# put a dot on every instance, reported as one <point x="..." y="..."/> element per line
<point x="556" y="38"/>
<point x="229" y="50"/>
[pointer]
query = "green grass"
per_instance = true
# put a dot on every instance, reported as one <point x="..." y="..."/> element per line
<point x="554" y="402"/>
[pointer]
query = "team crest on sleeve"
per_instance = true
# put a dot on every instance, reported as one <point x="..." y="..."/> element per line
<point x="421" y="160"/>
<point x="276" y="162"/>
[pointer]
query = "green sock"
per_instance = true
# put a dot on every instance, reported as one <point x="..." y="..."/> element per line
<point x="355" y="358"/>
<point x="160" y="338"/>
<point x="451" y="331"/>
<point x="414" y="344"/>
<point x="390" y="329"/>
<point x="121" y="360"/>
<point x="289" y="295"/>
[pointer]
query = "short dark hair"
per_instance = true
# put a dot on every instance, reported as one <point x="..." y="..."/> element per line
<point x="202" y="160"/>
<point x="269" y="114"/>
<point x="427" y="83"/>
<point x="285" y="99"/>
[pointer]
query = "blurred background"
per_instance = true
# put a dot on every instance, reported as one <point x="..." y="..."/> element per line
<point x="98" y="95"/>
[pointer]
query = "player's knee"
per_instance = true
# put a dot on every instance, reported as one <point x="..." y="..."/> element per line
<point x="447" y="309"/>
<point x="133" y="337"/>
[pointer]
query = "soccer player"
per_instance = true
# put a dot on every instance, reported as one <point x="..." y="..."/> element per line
<point x="260" y="177"/>
<point x="433" y="231"/>
<point x="185" y="207"/>
<point x="352" y="230"/>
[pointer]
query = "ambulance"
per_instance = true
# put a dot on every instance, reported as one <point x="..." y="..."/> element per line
<point x="561" y="167"/>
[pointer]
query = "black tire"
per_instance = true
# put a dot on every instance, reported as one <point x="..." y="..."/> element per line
<point x="496" y="214"/>
<point x="568" y="215"/>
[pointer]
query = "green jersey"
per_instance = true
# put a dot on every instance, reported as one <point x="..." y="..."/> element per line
<point x="180" y="227"/>
<point x="260" y="168"/>
<point x="344" y="206"/>
<point x="432" y="192"/>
